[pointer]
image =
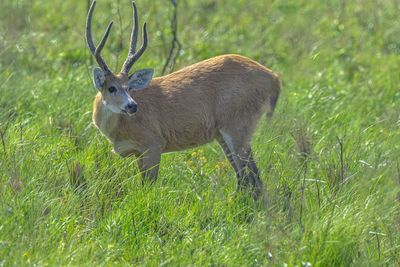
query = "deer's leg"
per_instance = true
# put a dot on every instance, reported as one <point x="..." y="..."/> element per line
<point x="243" y="159"/>
<point x="149" y="164"/>
<point x="232" y="144"/>
<point x="241" y="155"/>
<point x="237" y="148"/>
<point x="249" y="171"/>
<point x="254" y="174"/>
<point x="229" y="155"/>
<point x="252" y="164"/>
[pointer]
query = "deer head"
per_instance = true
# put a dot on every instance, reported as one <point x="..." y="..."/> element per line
<point x="115" y="88"/>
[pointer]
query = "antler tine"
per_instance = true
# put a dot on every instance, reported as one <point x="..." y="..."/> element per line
<point x="89" y="39"/>
<point x="134" y="34"/>
<point x="132" y="58"/>
<point x="97" y="52"/>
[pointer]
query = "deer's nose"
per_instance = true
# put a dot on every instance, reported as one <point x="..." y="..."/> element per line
<point x="131" y="108"/>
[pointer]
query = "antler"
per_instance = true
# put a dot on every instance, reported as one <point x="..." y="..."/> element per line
<point x="133" y="56"/>
<point x="89" y="39"/>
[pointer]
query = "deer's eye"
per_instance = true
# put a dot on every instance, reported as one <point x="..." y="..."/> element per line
<point x="112" y="89"/>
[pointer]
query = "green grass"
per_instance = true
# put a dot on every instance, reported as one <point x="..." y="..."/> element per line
<point x="330" y="157"/>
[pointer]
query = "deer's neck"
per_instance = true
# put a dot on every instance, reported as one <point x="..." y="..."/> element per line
<point x="104" y="119"/>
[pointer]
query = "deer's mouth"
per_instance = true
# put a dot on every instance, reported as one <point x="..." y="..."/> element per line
<point x="127" y="112"/>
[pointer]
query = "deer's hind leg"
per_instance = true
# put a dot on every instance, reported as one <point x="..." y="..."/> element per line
<point x="236" y="145"/>
<point x="254" y="172"/>
<point x="229" y="155"/>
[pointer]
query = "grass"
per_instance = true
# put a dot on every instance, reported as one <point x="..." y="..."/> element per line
<point x="329" y="157"/>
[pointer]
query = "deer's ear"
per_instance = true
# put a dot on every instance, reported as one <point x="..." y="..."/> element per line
<point x="98" y="78"/>
<point x="140" y="79"/>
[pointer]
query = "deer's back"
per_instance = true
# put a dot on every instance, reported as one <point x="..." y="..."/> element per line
<point x="188" y="107"/>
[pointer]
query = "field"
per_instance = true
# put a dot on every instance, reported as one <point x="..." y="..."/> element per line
<point x="329" y="157"/>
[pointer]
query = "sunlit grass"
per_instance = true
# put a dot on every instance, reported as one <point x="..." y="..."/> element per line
<point x="329" y="157"/>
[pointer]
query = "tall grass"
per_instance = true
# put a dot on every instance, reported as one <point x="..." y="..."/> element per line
<point x="329" y="157"/>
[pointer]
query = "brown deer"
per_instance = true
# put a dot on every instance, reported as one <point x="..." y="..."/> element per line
<point x="221" y="99"/>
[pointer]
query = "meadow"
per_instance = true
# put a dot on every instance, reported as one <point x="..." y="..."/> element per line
<point x="329" y="157"/>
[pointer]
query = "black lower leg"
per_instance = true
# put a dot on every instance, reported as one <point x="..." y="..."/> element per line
<point x="254" y="172"/>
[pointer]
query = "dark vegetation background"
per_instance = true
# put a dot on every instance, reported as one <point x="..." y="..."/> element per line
<point x="329" y="157"/>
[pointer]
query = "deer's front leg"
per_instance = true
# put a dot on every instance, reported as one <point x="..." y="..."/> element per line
<point x="149" y="163"/>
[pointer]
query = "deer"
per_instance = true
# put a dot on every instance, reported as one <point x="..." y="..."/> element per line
<point x="221" y="98"/>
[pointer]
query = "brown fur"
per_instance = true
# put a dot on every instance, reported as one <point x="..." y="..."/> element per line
<point x="192" y="107"/>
